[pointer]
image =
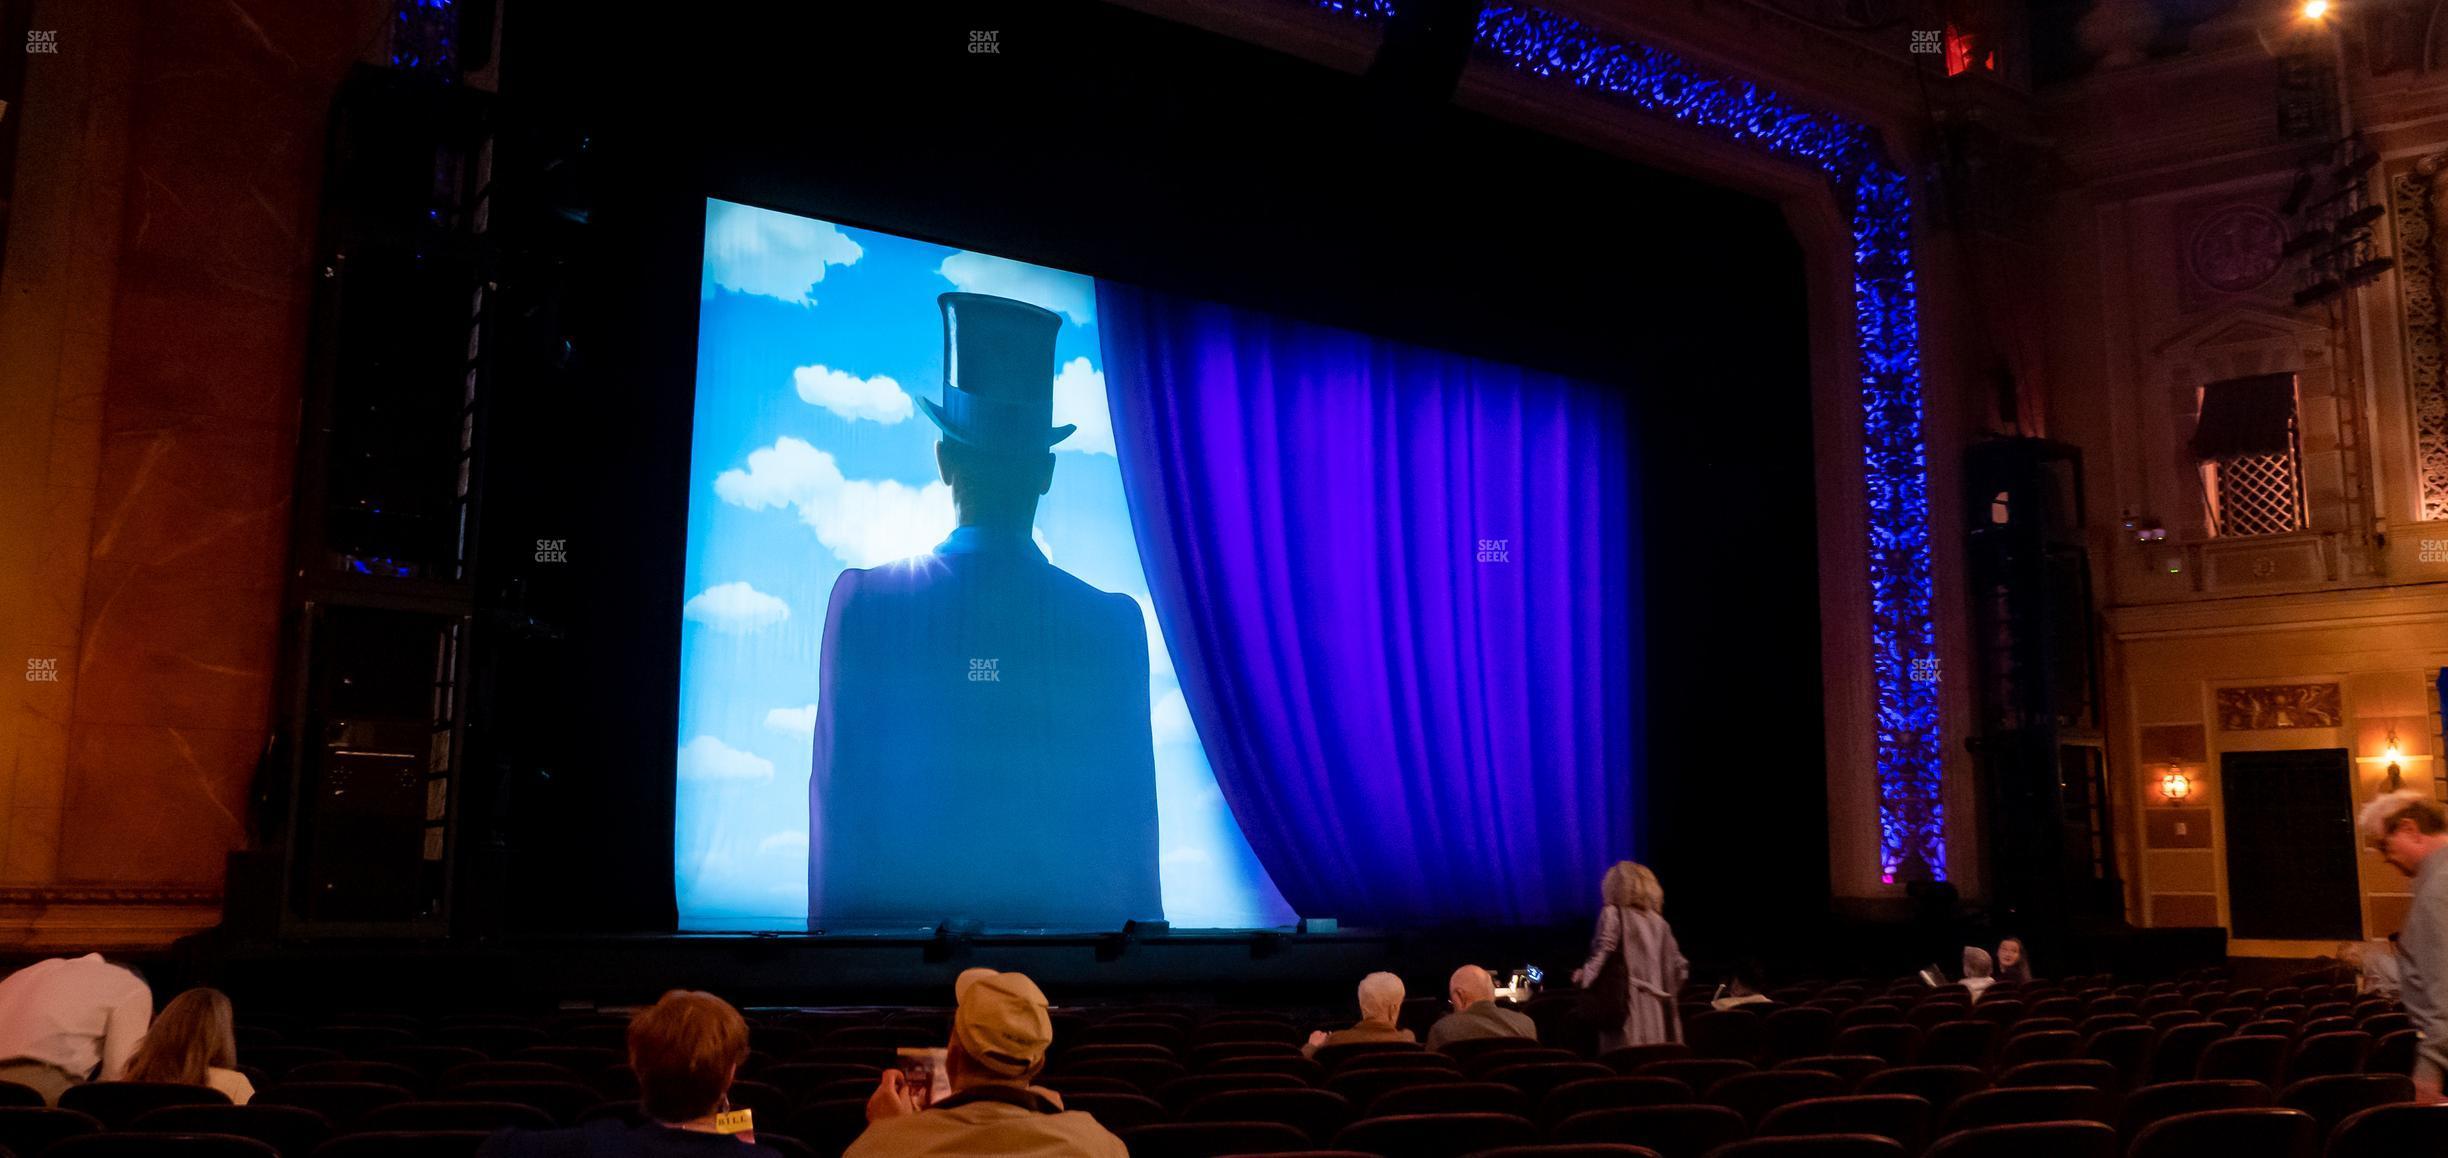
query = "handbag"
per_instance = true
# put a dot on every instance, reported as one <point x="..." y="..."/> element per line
<point x="1607" y="1000"/>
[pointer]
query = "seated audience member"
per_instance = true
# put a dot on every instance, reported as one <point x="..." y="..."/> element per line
<point x="1000" y="1033"/>
<point x="1747" y="987"/>
<point x="1976" y="970"/>
<point x="2013" y="964"/>
<point x="70" y="1020"/>
<point x="194" y="1043"/>
<point x="1381" y="998"/>
<point x="686" y="1048"/>
<point x="2374" y="965"/>
<point x="1476" y="1014"/>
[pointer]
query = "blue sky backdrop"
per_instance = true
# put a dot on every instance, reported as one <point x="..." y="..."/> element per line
<point x="810" y="456"/>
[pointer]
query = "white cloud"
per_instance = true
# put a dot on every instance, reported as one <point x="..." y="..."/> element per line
<point x="864" y="522"/>
<point x="708" y="759"/>
<point x="877" y="399"/>
<point x="1079" y="397"/>
<point x="735" y="608"/>
<point x="1171" y="719"/>
<point x="1071" y="294"/>
<point x="777" y="255"/>
<point x="787" y="844"/>
<point x="796" y="721"/>
<point x="1160" y="657"/>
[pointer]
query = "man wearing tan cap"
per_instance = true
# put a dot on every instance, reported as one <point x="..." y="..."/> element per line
<point x="1000" y="1033"/>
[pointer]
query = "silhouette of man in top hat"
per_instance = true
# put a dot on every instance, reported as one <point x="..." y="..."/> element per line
<point x="983" y="748"/>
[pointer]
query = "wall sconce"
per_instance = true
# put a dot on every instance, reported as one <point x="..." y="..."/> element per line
<point x="2174" y="786"/>
<point x="2395" y="756"/>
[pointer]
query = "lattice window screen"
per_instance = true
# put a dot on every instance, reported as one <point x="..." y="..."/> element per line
<point x="2259" y="494"/>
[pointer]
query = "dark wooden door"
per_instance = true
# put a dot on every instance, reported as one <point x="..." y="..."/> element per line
<point x="2291" y="845"/>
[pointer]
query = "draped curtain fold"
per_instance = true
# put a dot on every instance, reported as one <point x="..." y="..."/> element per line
<point x="1400" y="587"/>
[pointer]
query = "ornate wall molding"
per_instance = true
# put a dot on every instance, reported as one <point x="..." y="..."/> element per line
<point x="2418" y="295"/>
<point x="1876" y="197"/>
<point x="2270" y="707"/>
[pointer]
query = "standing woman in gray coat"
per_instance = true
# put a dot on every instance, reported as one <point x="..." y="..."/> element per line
<point x="1632" y="928"/>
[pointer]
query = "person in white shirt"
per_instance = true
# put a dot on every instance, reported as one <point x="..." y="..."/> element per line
<point x="2374" y="964"/>
<point x="193" y="1042"/>
<point x="1977" y="969"/>
<point x="69" y="1020"/>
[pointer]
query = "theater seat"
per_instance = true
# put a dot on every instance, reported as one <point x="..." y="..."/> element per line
<point x="341" y="1102"/>
<point x="292" y="1130"/>
<point x="1940" y="1085"/>
<point x="1435" y="1135"/>
<point x="1631" y="1058"/>
<point x="2260" y="1132"/>
<point x="2392" y="1052"/>
<point x="2024" y="1104"/>
<point x="2257" y="1057"/>
<point x="1902" y="1117"/>
<point x="1316" y="1113"/>
<point x="2180" y="1048"/>
<point x="1673" y="1131"/>
<point x="1362" y="1087"/>
<point x="1813" y="1146"/>
<point x="116" y="1104"/>
<point x="829" y="1127"/>
<point x="2028" y="1140"/>
<point x="1610" y="1093"/>
<point x="1293" y="1066"/>
<point x="1181" y="1092"/>
<point x="1212" y="1139"/>
<point x="2332" y="1099"/>
<point x="1452" y="1097"/>
<point x="134" y="1144"/>
<point x="1971" y="1042"/>
<point x="1118" y="1112"/>
<point x="456" y="1115"/>
<point x="13" y="1094"/>
<point x="1536" y="1078"/>
<point x="1565" y="1150"/>
<point x="1698" y="1073"/>
<point x="2098" y="1075"/>
<point x="404" y="1144"/>
<point x="2390" y="1132"/>
<point x="2168" y="1099"/>
<point x="29" y="1130"/>
<point x="1754" y="1094"/>
<point x="1465" y="1050"/>
<point x="1348" y="1054"/>
<point x="1852" y="1067"/>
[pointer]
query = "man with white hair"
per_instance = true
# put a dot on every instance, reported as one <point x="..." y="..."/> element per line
<point x="1381" y="998"/>
<point x="2409" y="830"/>
<point x="1977" y="968"/>
<point x="1476" y="1014"/>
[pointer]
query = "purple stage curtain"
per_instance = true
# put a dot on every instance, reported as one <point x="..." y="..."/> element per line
<point x="1400" y="588"/>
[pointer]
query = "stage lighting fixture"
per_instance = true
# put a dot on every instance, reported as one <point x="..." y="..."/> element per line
<point x="2315" y="9"/>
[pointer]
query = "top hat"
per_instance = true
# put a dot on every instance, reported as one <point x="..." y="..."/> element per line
<point x="998" y="390"/>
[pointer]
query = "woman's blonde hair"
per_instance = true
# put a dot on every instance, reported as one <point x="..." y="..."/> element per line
<point x="1634" y="886"/>
<point x="192" y="1035"/>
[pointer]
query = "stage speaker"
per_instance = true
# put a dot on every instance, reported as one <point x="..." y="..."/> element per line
<point x="1319" y="925"/>
<point x="385" y="513"/>
<point x="2039" y="747"/>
